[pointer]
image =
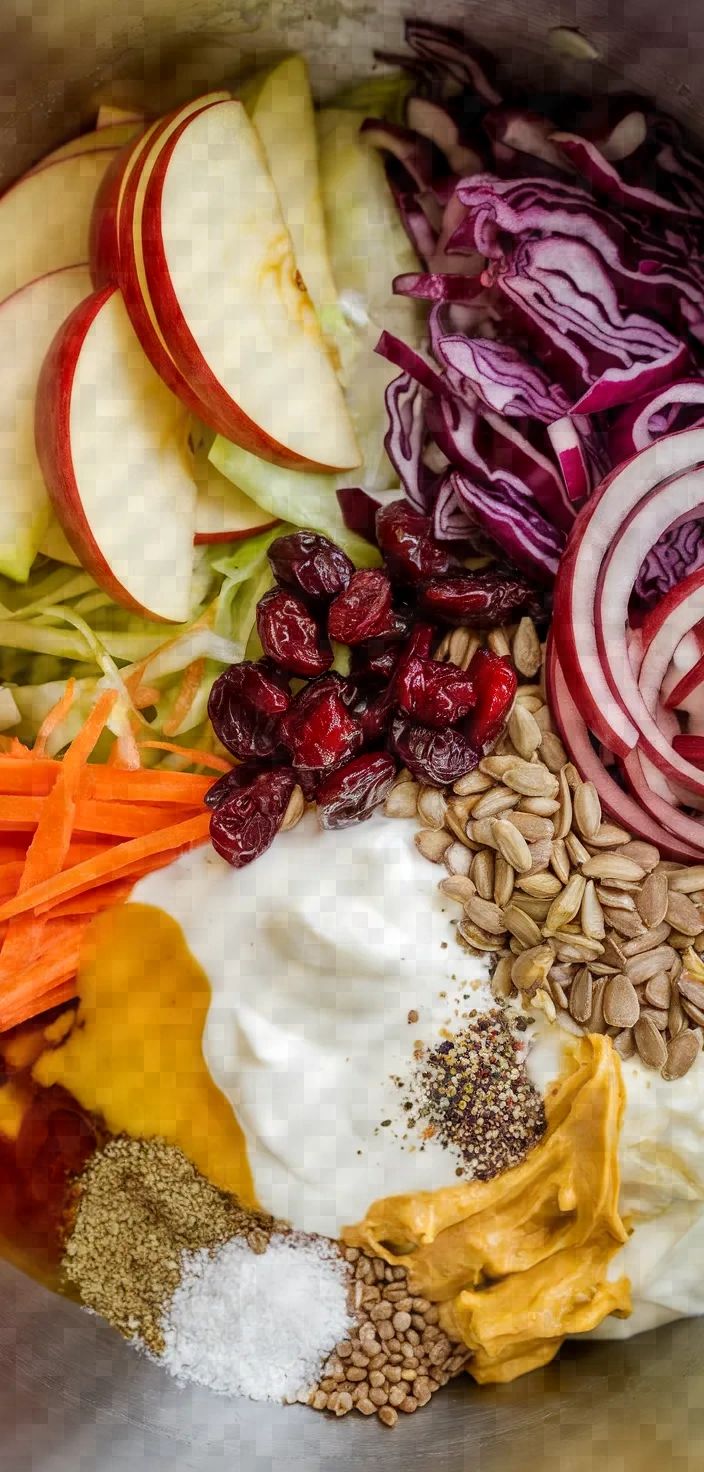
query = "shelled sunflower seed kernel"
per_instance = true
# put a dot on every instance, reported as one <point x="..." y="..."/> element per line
<point x="577" y="917"/>
<point x="397" y="1356"/>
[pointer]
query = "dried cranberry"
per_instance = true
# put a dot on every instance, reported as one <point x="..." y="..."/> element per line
<point x="377" y="657"/>
<point x="244" y="826"/>
<point x="410" y="550"/>
<point x="437" y="694"/>
<point x="363" y="611"/>
<point x="495" y="683"/>
<point x="290" y="635"/>
<point x="434" y="757"/>
<point x="310" y="564"/>
<point x="351" y="794"/>
<point x="318" y="729"/>
<point x="245" y="705"/>
<point x="308" y="782"/>
<point x="477" y="600"/>
<point x="232" y="782"/>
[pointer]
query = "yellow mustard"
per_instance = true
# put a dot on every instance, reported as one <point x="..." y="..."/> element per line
<point x="520" y="1262"/>
<point x="135" y="1054"/>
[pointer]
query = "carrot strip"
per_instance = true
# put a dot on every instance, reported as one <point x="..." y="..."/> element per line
<point x="190" y="685"/>
<point x="121" y="819"/>
<point x="196" y="758"/>
<point x="23" y="779"/>
<point x="113" y="863"/>
<point x="57" y="714"/>
<point x="91" y="901"/>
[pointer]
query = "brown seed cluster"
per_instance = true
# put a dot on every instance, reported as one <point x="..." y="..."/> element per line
<point x="139" y="1204"/>
<point x="397" y="1357"/>
<point x="473" y="1094"/>
<point x="584" y="922"/>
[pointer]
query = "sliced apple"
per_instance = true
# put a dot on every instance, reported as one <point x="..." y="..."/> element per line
<point x="45" y="217"/>
<point x="229" y="301"/>
<point x="223" y="512"/>
<point x="280" y="104"/>
<point x="112" y="443"/>
<point x="54" y="544"/>
<point x="29" y="320"/>
<point x="109" y="116"/>
<point x="115" y="136"/>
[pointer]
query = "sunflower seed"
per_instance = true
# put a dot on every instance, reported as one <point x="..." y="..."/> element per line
<point x="541" y="807"/>
<point x="457" y="859"/>
<point x="621" y="1005"/>
<point x="683" y="915"/>
<point x="687" y="881"/>
<point x="482" y="874"/>
<point x="694" y="964"/>
<point x="587" y="809"/>
<point x="650" y="1043"/>
<point x="402" y="801"/>
<point x="295" y="810"/>
<point x="544" y="720"/>
<point x="586" y="948"/>
<point x="522" y="927"/>
<point x="457" y="646"/>
<point x="542" y="885"/>
<point x="498" y="642"/>
<point x="591" y="914"/>
<point x="504" y="880"/>
<point x="531" y="703"/>
<point x="641" y="968"/>
<point x="531" y="967"/>
<point x="501" y="984"/>
<point x="581" y="992"/>
<point x="613" y="866"/>
<point x="681" y="1053"/>
<point x="458" y="824"/>
<point x="558" y="993"/>
<point x="459" y="888"/>
<point x="490" y="804"/>
<point x="403" y="775"/>
<point x="625" y="922"/>
<point x="530" y="905"/>
<point x="658" y="992"/>
<point x="560" y="860"/>
<point x="696" y="1013"/>
<point x="512" y="845"/>
<point x="497" y="766"/>
<point x="624" y="1043"/>
<point x="647" y="942"/>
<point x="657" y="1016"/>
<point x="533" y="827"/>
<point x="596" y="1022"/>
<point x="572" y="775"/>
<point x="540" y="855"/>
<point x="676" y="1017"/>
<point x="552" y="752"/>
<point x="598" y="969"/>
<point x="432" y="807"/>
<point x="567" y="904"/>
<point x="691" y="989"/>
<point x="505" y="747"/>
<point x="482" y="832"/>
<point x="644" y="854"/>
<point x="616" y="899"/>
<point x="525" y="649"/>
<point x="524" y="731"/>
<point x="477" y="939"/>
<point x="652" y="899"/>
<point x="613" y="955"/>
<point x="576" y="850"/>
<point x="544" y="1002"/>
<point x="486" y="915"/>
<point x="433" y="843"/>
<point x="608" y="836"/>
<point x="531" y="781"/>
<point x="475" y="782"/>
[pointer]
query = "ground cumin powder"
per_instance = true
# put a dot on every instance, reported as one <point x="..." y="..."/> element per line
<point x="138" y="1206"/>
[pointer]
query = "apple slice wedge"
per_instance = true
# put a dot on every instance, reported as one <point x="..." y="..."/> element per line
<point x="229" y="301"/>
<point x="223" y="512"/>
<point x="45" y="217"/>
<point x="29" y="320"/>
<point x="115" y="136"/>
<point x="112" y="443"/>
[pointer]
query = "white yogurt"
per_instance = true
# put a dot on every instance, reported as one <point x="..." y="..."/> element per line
<point x="316" y="954"/>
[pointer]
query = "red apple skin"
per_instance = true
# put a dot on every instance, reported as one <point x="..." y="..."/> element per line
<point x="103" y="248"/>
<point x="52" y="439"/>
<point x="203" y="539"/>
<point x="221" y="412"/>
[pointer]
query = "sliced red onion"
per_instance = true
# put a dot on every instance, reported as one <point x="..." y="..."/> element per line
<point x="580" y="455"/>
<point x="690" y="681"/>
<point x="691" y="747"/>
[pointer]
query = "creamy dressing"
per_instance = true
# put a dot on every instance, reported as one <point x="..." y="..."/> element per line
<point x="316" y="954"/>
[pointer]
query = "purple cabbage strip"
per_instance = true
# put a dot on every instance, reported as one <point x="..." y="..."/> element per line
<point x="518" y="528"/>
<point x="605" y="179"/>
<point x="452" y="522"/>
<point x="581" y="455"/>
<point x="438" y="286"/>
<point x="679" y="406"/>
<point x="405" y="438"/>
<point x="678" y="552"/>
<point x="461" y="61"/>
<point x="502" y="378"/>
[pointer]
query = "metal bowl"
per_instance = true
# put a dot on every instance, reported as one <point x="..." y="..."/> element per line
<point x="72" y="1394"/>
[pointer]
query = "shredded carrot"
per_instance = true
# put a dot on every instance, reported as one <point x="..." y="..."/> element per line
<point x="56" y="715"/>
<point x="190" y="685"/>
<point x="75" y="838"/>
<point x="196" y="758"/>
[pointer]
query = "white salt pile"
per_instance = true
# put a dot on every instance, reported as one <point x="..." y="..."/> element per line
<point x="257" y="1324"/>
